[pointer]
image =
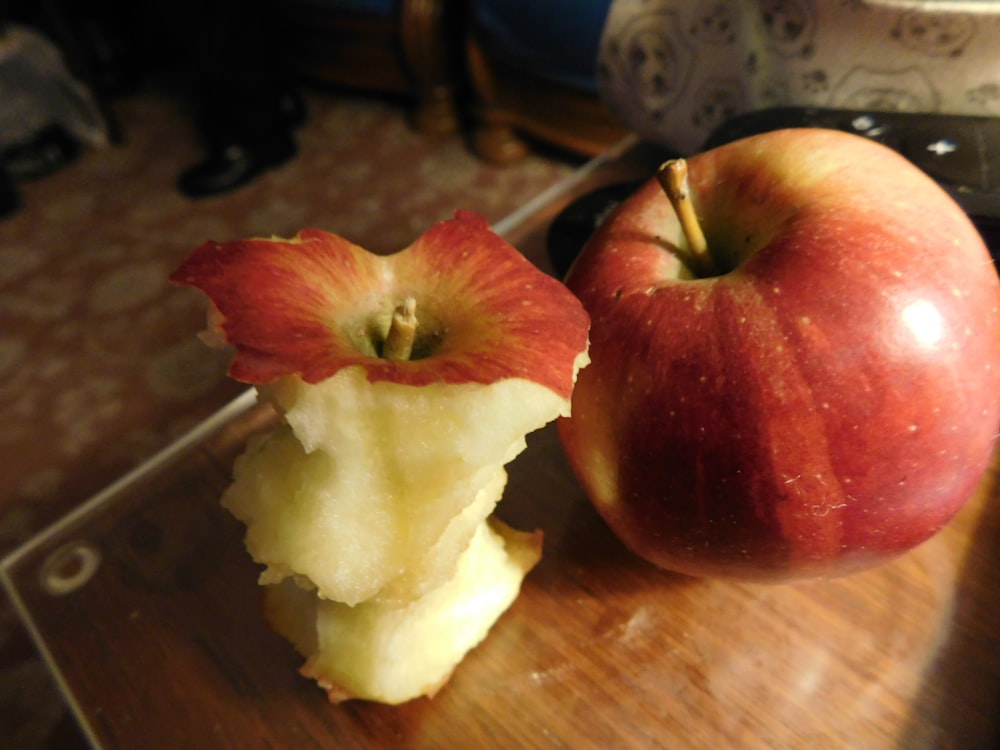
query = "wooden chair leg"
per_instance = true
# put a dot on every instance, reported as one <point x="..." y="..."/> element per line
<point x="498" y="143"/>
<point x="427" y="33"/>
<point x="507" y="101"/>
<point x="435" y="112"/>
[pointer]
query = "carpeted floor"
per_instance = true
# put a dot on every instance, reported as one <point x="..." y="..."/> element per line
<point x="99" y="364"/>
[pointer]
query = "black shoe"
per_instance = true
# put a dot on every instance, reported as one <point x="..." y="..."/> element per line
<point x="235" y="165"/>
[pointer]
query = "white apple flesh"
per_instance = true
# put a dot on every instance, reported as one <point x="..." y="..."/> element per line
<point x="824" y="401"/>
<point x="375" y="489"/>
<point x="394" y="652"/>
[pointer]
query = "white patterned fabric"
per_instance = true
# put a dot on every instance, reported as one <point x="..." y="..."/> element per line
<point x="673" y="70"/>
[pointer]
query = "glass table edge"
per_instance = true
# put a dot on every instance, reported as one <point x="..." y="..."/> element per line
<point x="189" y="440"/>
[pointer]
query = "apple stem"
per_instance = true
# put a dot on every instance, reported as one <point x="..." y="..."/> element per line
<point x="673" y="177"/>
<point x="402" y="331"/>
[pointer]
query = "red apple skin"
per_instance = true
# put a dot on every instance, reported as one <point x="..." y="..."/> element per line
<point x="828" y="404"/>
<point x="308" y="306"/>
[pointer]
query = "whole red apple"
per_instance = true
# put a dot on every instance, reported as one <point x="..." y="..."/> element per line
<point x="824" y="397"/>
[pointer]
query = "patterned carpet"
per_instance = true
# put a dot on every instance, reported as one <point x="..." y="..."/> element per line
<point x="99" y="364"/>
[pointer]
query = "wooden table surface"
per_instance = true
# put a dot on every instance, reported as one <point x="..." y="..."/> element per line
<point x="163" y="646"/>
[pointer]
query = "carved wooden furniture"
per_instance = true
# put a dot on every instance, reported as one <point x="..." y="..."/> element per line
<point x="404" y="47"/>
<point x="532" y="70"/>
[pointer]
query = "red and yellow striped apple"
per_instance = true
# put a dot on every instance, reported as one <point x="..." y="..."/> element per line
<point x="812" y="389"/>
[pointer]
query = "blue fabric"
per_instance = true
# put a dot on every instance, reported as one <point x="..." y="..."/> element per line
<point x="555" y="39"/>
<point x="380" y="8"/>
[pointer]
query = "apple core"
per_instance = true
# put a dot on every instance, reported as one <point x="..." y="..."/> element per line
<point x="403" y="385"/>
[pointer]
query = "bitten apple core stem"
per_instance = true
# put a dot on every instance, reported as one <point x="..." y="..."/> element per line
<point x="673" y="177"/>
<point x="402" y="331"/>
